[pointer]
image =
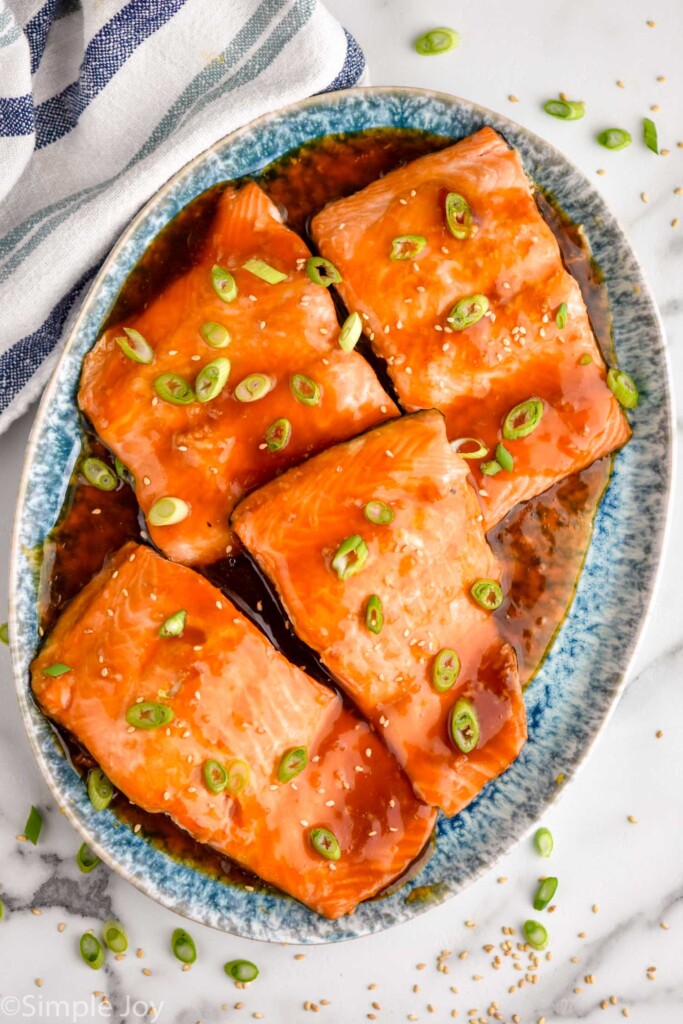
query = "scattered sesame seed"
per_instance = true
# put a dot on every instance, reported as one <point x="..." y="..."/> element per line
<point x="632" y="819"/>
<point x="512" y="98"/>
<point x="643" y="196"/>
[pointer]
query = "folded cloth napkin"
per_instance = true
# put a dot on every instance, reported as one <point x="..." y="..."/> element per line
<point x="100" y="103"/>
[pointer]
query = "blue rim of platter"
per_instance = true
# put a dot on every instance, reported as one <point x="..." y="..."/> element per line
<point x="569" y="700"/>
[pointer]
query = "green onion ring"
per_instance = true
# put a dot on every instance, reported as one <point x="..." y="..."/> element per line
<point x="135" y="347"/>
<point x="291" y="764"/>
<point x="407" y="247"/>
<point x="458" y="215"/>
<point x="239" y="774"/>
<point x="351" y="330"/>
<point x="223" y="283"/>
<point x="545" y="893"/>
<point x="114" y="936"/>
<point x="278" y="435"/>
<point x="445" y="670"/>
<point x="174" y="389"/>
<point x="215" y="334"/>
<point x="243" y="971"/>
<point x="325" y="843"/>
<point x="467" y="312"/>
<point x="615" y="138"/>
<point x="99" y="474"/>
<point x="211" y="379"/>
<point x="174" y="625"/>
<point x="536" y="934"/>
<point x="374" y="615"/>
<point x="562" y="316"/>
<point x="91" y="951"/>
<point x="623" y="387"/>
<point x="523" y="419"/>
<point x="100" y="789"/>
<point x="321" y="271"/>
<point x="437" y="40"/>
<point x="86" y="859"/>
<point x="565" y="110"/>
<point x="487" y="594"/>
<point x="183" y="946"/>
<point x="149" y="714"/>
<point x="543" y="841"/>
<point x="504" y="458"/>
<point x="480" y="452"/>
<point x="168" y="511"/>
<point x="464" y="726"/>
<point x="349" y="557"/>
<point x="378" y="512"/>
<point x="254" y="387"/>
<point x="215" y="776"/>
<point x="305" y="390"/>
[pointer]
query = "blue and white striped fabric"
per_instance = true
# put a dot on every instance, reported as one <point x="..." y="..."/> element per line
<point x="100" y="103"/>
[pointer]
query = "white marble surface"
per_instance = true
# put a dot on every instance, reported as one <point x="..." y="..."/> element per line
<point x="632" y="873"/>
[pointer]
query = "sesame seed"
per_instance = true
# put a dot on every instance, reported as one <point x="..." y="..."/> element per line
<point x="632" y="819"/>
<point x="643" y="196"/>
<point x="513" y="99"/>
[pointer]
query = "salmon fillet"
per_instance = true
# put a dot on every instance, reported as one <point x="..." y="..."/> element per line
<point x="421" y="566"/>
<point x="516" y="351"/>
<point x="208" y="453"/>
<point x="234" y="698"/>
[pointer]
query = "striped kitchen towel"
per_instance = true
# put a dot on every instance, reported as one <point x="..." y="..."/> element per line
<point x="101" y="101"/>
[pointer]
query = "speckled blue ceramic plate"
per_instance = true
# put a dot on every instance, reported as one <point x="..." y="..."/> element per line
<point x="568" y="702"/>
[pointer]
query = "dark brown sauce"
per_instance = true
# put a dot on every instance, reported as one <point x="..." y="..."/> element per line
<point x="542" y="544"/>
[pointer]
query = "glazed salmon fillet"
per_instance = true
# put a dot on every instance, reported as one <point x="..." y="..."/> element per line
<point x="227" y="696"/>
<point x="534" y="341"/>
<point x="226" y="439"/>
<point x="392" y="616"/>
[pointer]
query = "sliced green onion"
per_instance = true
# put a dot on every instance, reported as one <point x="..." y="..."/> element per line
<point x="292" y="763"/>
<point x="615" y="138"/>
<point x="407" y="247"/>
<point x="100" y="789"/>
<point x="490" y="468"/>
<point x="224" y="283"/>
<point x="378" y="512"/>
<point x="321" y="271"/>
<point x="211" y="379"/>
<point x="278" y="434"/>
<point x="2" y="910"/>
<point x="504" y="458"/>
<point x="458" y="215"/>
<point x="238" y="776"/>
<point x="352" y="328"/>
<point x="545" y="893"/>
<point x="566" y="110"/>
<point x="585" y="359"/>
<point x="650" y="135"/>
<point x="174" y="389"/>
<point x="91" y="951"/>
<point x="479" y="452"/>
<point x="86" y="859"/>
<point x="374" y="616"/>
<point x="523" y="419"/>
<point x="445" y="670"/>
<point x="464" y="724"/>
<point x="487" y="594"/>
<point x="467" y="312"/>
<point x="148" y="714"/>
<point x="561" y="316"/>
<point x="99" y="474"/>
<point x="535" y="934"/>
<point x="174" y="625"/>
<point x="114" y="936"/>
<point x="305" y="390"/>
<point x="135" y="347"/>
<point x="623" y="387"/>
<point x="264" y="271"/>
<point x="350" y="556"/>
<point x="215" y="334"/>
<point x="543" y="841"/>
<point x="254" y="387"/>
<point x="325" y="843"/>
<point x="183" y="946"/>
<point x="4" y="633"/>
<point x="215" y="776"/>
<point x="437" y="40"/>
<point x="34" y="824"/>
<point x="241" y="970"/>
<point x="168" y="511"/>
<point x="56" y="670"/>
<point x="123" y="473"/>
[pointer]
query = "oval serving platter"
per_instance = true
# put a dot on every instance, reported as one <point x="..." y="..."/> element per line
<point x="571" y="697"/>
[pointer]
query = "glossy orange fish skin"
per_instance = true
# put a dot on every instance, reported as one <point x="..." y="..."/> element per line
<point x="210" y="453"/>
<point x="233" y="697"/>
<point x="477" y="375"/>
<point x="421" y="566"/>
